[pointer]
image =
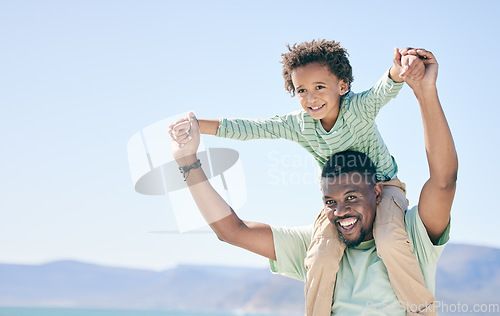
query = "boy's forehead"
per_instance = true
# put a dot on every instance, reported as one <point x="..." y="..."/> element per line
<point x="314" y="68"/>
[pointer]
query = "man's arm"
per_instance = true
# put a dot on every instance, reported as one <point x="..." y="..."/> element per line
<point x="255" y="237"/>
<point x="438" y="192"/>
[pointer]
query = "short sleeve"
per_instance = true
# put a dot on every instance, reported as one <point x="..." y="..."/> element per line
<point x="426" y="251"/>
<point x="290" y="246"/>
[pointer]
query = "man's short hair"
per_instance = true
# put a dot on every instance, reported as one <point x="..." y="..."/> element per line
<point x="350" y="161"/>
<point x="327" y="53"/>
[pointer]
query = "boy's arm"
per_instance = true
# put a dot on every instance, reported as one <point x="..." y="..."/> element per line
<point x="437" y="195"/>
<point x="255" y="237"/>
<point x="368" y="103"/>
<point x="246" y="129"/>
<point x="208" y="127"/>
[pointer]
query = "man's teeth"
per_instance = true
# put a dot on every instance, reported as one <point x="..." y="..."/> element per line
<point x="347" y="222"/>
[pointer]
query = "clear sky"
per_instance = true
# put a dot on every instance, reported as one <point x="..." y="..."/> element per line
<point x="79" y="78"/>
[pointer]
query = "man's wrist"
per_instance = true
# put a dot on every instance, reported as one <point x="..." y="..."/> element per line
<point x="187" y="160"/>
<point x="424" y="92"/>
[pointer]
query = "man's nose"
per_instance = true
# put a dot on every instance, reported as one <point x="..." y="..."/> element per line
<point x="341" y="210"/>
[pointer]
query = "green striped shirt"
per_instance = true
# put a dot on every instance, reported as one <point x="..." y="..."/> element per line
<point x="355" y="128"/>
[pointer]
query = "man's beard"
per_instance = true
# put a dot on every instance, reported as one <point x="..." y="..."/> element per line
<point x="355" y="242"/>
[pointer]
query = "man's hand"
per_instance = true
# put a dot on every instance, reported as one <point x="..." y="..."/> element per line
<point x="431" y="69"/>
<point x="407" y="66"/>
<point x="185" y="134"/>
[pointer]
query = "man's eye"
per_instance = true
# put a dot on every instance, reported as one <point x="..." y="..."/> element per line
<point x="351" y="197"/>
<point x="329" y="202"/>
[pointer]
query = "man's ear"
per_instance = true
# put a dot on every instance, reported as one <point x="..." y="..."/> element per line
<point x="379" y="188"/>
<point x="343" y="86"/>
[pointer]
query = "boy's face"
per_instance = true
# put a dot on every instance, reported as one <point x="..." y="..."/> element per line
<point x="319" y="92"/>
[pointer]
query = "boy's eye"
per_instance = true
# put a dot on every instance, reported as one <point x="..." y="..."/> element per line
<point x="301" y="90"/>
<point x="320" y="87"/>
<point x="329" y="202"/>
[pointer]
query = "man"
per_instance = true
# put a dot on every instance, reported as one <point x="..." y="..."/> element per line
<point x="350" y="199"/>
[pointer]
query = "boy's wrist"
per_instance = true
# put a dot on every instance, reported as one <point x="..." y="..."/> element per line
<point x="394" y="74"/>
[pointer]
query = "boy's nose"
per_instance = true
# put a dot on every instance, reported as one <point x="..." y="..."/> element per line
<point x="311" y="97"/>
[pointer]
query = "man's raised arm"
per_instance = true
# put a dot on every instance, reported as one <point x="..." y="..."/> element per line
<point x="224" y="222"/>
<point x="438" y="192"/>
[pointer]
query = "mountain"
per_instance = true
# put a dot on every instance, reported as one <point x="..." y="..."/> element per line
<point x="465" y="274"/>
<point x="186" y="287"/>
<point x="469" y="275"/>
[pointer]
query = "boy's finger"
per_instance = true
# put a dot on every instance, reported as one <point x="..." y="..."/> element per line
<point x="415" y="66"/>
<point x="397" y="57"/>
<point x="181" y="127"/>
<point x="412" y="51"/>
<point x="195" y="128"/>
<point x="405" y="66"/>
<point x="180" y="121"/>
<point x="171" y="135"/>
<point x="416" y="74"/>
<point x="420" y="75"/>
<point x="405" y="51"/>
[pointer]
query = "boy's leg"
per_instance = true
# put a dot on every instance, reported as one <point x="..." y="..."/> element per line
<point x="394" y="248"/>
<point x="322" y="264"/>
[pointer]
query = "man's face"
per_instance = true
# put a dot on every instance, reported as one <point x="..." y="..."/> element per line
<point x="350" y="201"/>
<point x="319" y="92"/>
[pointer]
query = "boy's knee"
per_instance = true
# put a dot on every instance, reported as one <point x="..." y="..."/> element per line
<point x="323" y="227"/>
<point x="391" y="240"/>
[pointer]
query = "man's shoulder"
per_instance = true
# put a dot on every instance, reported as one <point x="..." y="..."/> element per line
<point x="300" y="234"/>
<point x="290" y="246"/>
<point x="422" y="246"/>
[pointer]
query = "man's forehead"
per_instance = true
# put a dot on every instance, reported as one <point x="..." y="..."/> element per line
<point x="345" y="182"/>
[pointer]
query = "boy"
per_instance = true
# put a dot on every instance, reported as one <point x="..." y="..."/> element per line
<point x="334" y="119"/>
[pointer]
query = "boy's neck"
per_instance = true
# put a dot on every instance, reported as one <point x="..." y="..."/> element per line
<point x="328" y="123"/>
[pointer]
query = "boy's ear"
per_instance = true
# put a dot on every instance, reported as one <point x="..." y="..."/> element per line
<point x="343" y="86"/>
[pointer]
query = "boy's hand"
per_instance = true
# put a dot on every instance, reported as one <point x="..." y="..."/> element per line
<point x="185" y="134"/>
<point x="431" y="69"/>
<point x="408" y="64"/>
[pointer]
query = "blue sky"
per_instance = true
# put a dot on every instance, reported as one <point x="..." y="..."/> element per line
<point x="79" y="78"/>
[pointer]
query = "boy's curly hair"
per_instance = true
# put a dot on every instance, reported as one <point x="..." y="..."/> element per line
<point x="328" y="53"/>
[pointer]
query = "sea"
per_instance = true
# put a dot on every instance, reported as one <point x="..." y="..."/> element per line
<point x="32" y="311"/>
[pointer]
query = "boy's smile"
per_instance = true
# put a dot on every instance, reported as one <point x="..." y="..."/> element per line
<point x="319" y="92"/>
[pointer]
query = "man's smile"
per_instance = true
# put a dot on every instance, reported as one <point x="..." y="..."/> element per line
<point x="347" y="224"/>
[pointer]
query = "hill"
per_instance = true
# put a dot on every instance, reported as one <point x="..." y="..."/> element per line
<point x="465" y="274"/>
